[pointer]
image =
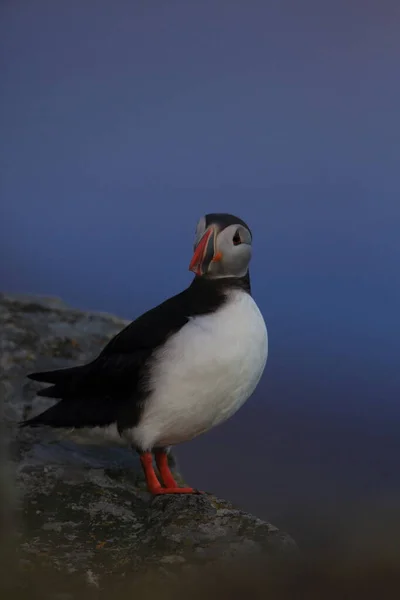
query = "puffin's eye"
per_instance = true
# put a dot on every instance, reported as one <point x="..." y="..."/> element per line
<point x="236" y="238"/>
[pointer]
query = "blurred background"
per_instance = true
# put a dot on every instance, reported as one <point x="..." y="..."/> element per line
<point x="123" y="122"/>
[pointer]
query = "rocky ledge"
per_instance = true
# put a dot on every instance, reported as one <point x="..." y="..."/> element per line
<point x="82" y="510"/>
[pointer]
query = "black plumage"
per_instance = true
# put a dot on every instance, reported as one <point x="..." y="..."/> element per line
<point x="114" y="386"/>
<point x="224" y="220"/>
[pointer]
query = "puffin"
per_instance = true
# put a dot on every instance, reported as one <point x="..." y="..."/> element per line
<point x="179" y="369"/>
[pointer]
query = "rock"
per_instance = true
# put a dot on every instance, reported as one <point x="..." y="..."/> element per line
<point x="83" y="510"/>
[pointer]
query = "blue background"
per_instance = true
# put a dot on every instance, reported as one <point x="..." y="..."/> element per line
<point x="122" y="123"/>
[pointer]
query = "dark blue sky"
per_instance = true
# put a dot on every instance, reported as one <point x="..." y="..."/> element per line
<point x="123" y="122"/>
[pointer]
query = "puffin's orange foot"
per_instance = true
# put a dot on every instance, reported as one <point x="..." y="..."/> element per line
<point x="174" y="490"/>
<point x="153" y="485"/>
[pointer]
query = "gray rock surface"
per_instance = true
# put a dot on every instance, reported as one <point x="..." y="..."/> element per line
<point x="83" y="510"/>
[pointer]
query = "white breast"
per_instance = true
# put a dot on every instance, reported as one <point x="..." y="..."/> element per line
<point x="204" y="373"/>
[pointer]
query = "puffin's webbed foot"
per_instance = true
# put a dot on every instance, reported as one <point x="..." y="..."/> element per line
<point x="153" y="484"/>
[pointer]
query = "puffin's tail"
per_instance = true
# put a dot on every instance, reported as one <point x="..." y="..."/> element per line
<point x="73" y="409"/>
<point x="57" y="376"/>
<point x="55" y="416"/>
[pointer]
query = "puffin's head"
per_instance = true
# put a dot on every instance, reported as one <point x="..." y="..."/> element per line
<point x="222" y="246"/>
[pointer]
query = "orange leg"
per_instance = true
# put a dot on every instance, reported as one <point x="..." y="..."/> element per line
<point x="163" y="467"/>
<point x="153" y="485"/>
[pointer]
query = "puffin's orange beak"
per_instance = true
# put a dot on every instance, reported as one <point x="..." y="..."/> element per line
<point x="205" y="252"/>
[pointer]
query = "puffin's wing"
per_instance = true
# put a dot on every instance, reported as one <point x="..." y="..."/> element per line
<point x="94" y="394"/>
<point x="152" y="328"/>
